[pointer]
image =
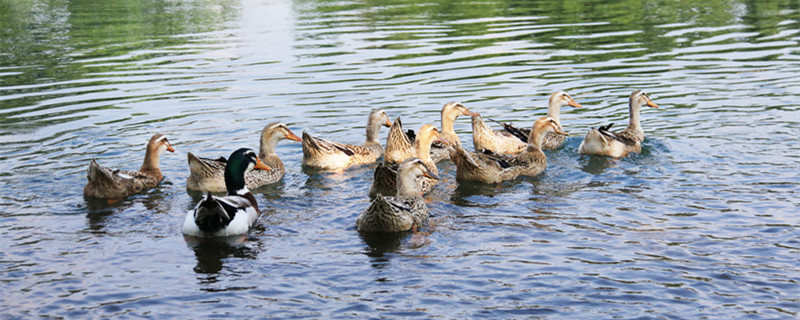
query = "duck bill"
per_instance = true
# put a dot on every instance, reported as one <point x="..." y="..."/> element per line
<point x="575" y="104"/>
<point x="292" y="136"/>
<point x="261" y="166"/>
<point x="170" y="148"/>
<point x="652" y="104"/>
<point x="562" y="132"/>
<point x="471" y="114"/>
<point x="442" y="140"/>
<point x="388" y="123"/>
<point x="430" y="174"/>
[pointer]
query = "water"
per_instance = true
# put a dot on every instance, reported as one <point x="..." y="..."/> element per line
<point x="703" y="224"/>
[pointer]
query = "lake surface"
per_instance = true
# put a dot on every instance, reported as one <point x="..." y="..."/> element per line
<point x="704" y="223"/>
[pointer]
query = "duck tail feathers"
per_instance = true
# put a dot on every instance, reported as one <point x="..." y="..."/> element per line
<point x="210" y="215"/>
<point x="97" y="172"/>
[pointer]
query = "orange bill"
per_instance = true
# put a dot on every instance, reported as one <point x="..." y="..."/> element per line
<point x="430" y="174"/>
<point x="575" y="104"/>
<point x="261" y="166"/>
<point x="652" y="104"/>
<point x="292" y="136"/>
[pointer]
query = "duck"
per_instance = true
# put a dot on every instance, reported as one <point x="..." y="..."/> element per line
<point x="207" y="175"/>
<point x="403" y="212"/>
<point x="234" y="213"/>
<point x="450" y="112"/>
<point x="551" y="140"/>
<point x="603" y="142"/>
<point x="334" y="156"/>
<point x="385" y="178"/>
<point x="490" y="168"/>
<point x="106" y="183"/>
<point x="496" y="141"/>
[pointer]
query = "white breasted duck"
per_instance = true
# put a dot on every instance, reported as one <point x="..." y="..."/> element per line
<point x="232" y="214"/>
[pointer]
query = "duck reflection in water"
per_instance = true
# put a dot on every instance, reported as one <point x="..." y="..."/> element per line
<point x="99" y="211"/>
<point x="212" y="252"/>
<point x="597" y="164"/>
<point x="381" y="247"/>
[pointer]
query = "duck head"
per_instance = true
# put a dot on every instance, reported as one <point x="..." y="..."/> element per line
<point x="561" y="98"/>
<point x="272" y="134"/>
<point x="640" y="98"/>
<point x="377" y="117"/>
<point x="239" y="163"/>
<point x="540" y="127"/>
<point x="408" y="172"/>
<point x="155" y="147"/>
<point x="452" y="110"/>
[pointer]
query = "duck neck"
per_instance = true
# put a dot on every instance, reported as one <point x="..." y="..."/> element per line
<point x="536" y="138"/>
<point x="151" y="159"/>
<point x="423" y="148"/>
<point x="633" y="122"/>
<point x="447" y="123"/>
<point x="554" y="110"/>
<point x="234" y="179"/>
<point x="373" y="128"/>
<point x="268" y="144"/>
<point x="407" y="186"/>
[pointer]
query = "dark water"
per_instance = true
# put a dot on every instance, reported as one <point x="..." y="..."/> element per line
<point x="703" y="224"/>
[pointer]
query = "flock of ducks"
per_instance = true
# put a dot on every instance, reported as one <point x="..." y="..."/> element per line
<point x="408" y="169"/>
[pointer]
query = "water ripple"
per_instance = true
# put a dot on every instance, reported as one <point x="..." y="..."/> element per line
<point x="702" y="223"/>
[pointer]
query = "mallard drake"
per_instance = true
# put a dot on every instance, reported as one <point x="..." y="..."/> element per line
<point x="105" y="183"/>
<point x="403" y="212"/>
<point x="329" y="155"/>
<point x="494" y="168"/>
<point x="385" y="177"/>
<point x="603" y="142"/>
<point x="207" y="175"/>
<point x="551" y="140"/>
<point x="232" y="214"/>
<point x="450" y="112"/>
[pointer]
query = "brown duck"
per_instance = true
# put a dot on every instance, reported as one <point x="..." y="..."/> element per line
<point x="493" y="168"/>
<point x="385" y="177"/>
<point x="207" y="175"/>
<point x="403" y="212"/>
<point x="105" y="183"/>
<point x="329" y="155"/>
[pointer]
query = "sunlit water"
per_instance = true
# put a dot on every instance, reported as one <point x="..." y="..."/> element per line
<point x="704" y="223"/>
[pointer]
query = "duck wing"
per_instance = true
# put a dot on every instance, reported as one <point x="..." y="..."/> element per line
<point x="502" y="161"/>
<point x="462" y="158"/>
<point x="521" y="134"/>
<point x="200" y="165"/>
<point x="322" y="146"/>
<point x="624" y="136"/>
